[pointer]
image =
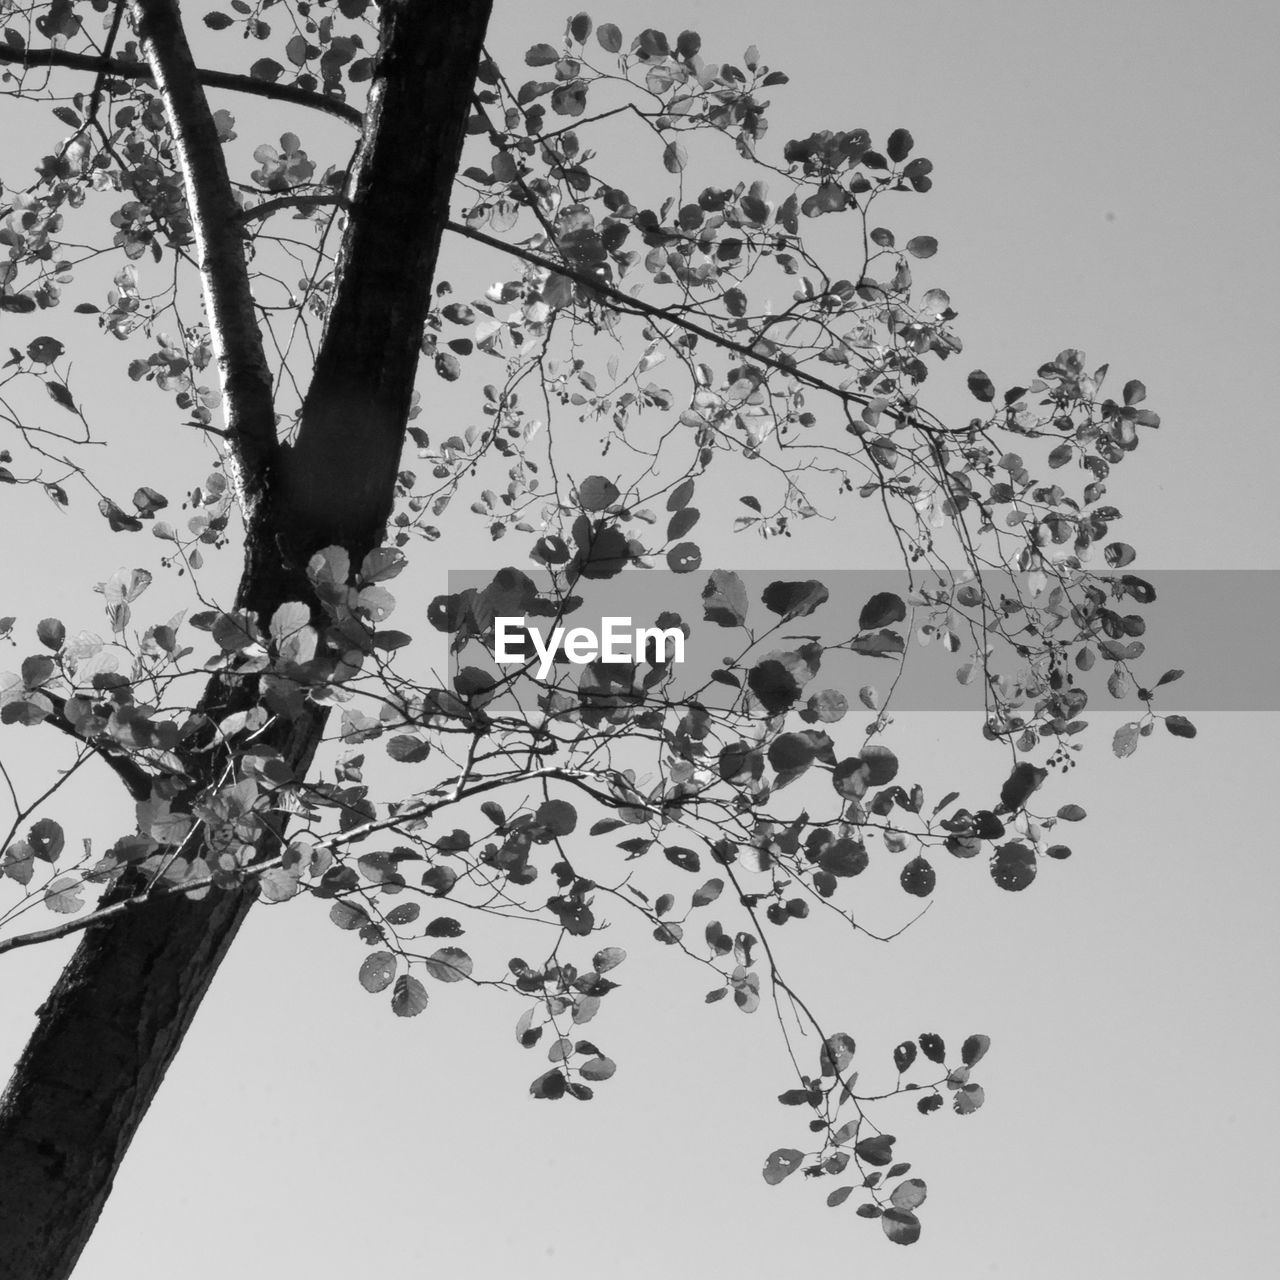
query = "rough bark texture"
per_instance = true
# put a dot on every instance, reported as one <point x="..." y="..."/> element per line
<point x="358" y="401"/>
<point x="118" y="1014"/>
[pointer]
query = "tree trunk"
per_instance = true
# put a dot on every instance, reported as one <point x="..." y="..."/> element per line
<point x="116" y="1017"/>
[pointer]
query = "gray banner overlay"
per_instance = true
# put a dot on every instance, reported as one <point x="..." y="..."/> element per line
<point x="1219" y="626"/>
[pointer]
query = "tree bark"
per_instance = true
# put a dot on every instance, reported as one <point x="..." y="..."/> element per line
<point x="118" y="1014"/>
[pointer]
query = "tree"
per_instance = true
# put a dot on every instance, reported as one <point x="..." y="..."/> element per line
<point x="812" y="405"/>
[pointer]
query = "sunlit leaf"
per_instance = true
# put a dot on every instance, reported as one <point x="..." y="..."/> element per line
<point x="909" y="1194"/>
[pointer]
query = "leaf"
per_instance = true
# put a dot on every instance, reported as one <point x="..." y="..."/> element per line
<point x="680" y="496"/>
<point x="119" y="521"/>
<point x="63" y="895"/>
<point x="406" y="913"/>
<point x="682" y="522"/>
<point x="881" y="765"/>
<point x="685" y="557"/>
<point x="882" y="610"/>
<point x="449" y="964"/>
<point x="708" y="892"/>
<point x="936" y="302"/>
<point x="270" y="70"/>
<point x="685" y="859"/>
<point x="60" y="395"/>
<point x="348" y="915"/>
<point x="51" y="633"/>
<point x="44" y="350"/>
<point x="19" y="862"/>
<point x="541" y="55"/>
<point x="974" y="1050"/>
<point x="218" y="21"/>
<point x="37" y="670"/>
<point x="526" y="1033"/>
<point x="844" y="857"/>
<point x="901" y="1226"/>
<point x="580" y="27"/>
<point x="836" y="1053"/>
<point x="923" y="247"/>
<point x="597" y="1068"/>
<point x="965" y="1101"/>
<point x="981" y="386"/>
<point x="790" y="754"/>
<point x="650" y="43"/>
<point x="409" y="997"/>
<point x="596" y="493"/>
<point x="909" y="1194"/>
<point x="876" y="1150"/>
<point x="781" y="1164"/>
<point x="794" y="599"/>
<point x="378" y="971"/>
<point x="608" y="958"/>
<point x="47" y="839"/>
<point x="899" y="145"/>
<point x="147" y="501"/>
<point x="880" y="644"/>
<point x="918" y="877"/>
<point x="609" y="37"/>
<point x="827" y="707"/>
<point x="1072" y="813"/>
<point x="933" y="1047"/>
<point x="407" y="748"/>
<point x="551" y="1085"/>
<point x="838" y="1196"/>
<point x="1125" y="741"/>
<point x="1013" y="866"/>
<point x="443" y="927"/>
<point x="279" y="884"/>
<point x="904" y="1055"/>
<point x="1180" y="726"/>
<point x="1019" y="786"/>
<point x="674" y="157"/>
<point x="559" y="817"/>
<point x="849" y="778"/>
<point x="724" y="599"/>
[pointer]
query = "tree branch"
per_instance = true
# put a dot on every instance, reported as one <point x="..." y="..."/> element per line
<point x="634" y="306"/>
<point x="128" y="70"/>
<point x="233" y="324"/>
<point x="340" y="474"/>
<point x="268" y="207"/>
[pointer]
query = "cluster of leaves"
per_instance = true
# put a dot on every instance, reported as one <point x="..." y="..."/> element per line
<point x="319" y="56"/>
<point x="693" y="334"/>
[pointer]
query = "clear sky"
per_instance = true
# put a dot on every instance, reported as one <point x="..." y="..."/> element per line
<point x="1103" y="179"/>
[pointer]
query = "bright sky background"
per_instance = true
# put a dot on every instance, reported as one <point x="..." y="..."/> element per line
<point x="1103" y="179"/>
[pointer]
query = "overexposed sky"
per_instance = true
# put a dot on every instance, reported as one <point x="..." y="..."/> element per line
<point x="1103" y="179"/>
